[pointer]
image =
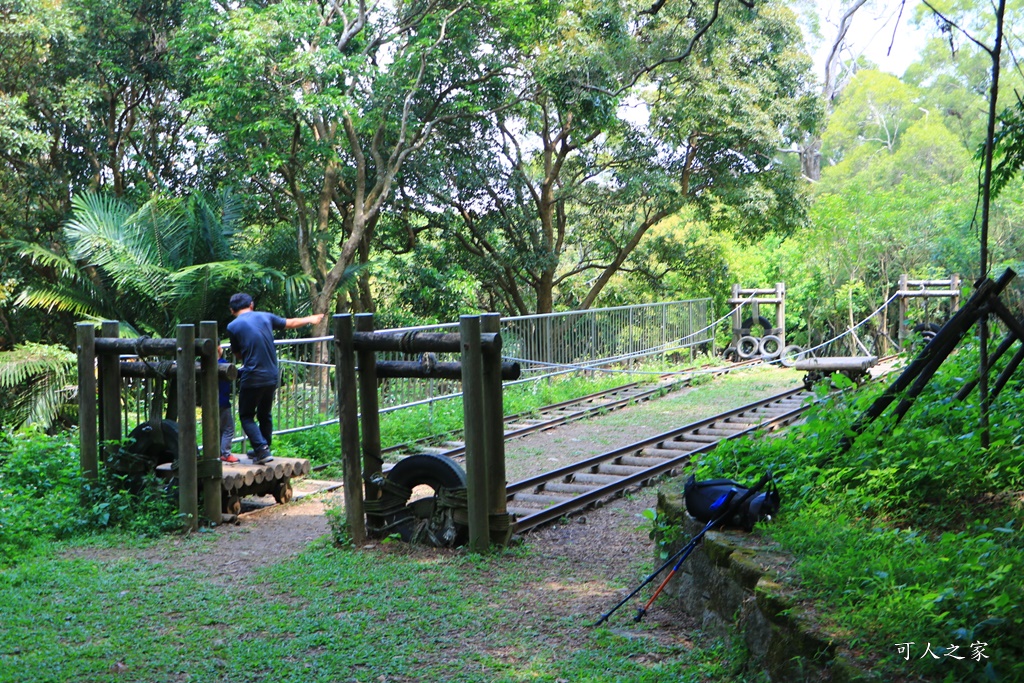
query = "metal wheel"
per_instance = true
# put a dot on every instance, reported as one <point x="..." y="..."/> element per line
<point x="423" y="520"/>
<point x="283" y="491"/>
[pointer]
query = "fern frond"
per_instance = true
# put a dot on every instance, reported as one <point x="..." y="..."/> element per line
<point x="35" y="379"/>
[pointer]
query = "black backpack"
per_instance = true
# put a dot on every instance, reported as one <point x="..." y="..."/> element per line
<point x="708" y="500"/>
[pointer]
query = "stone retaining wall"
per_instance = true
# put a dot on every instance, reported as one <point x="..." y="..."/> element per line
<point x="733" y="583"/>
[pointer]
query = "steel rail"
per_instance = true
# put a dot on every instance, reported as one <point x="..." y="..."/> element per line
<point x="584" y="499"/>
<point x="595" y="493"/>
<point x="540" y="423"/>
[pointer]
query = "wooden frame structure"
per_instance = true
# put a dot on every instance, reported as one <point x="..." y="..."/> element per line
<point x="481" y="372"/>
<point x="755" y="298"/>
<point x="926" y="290"/>
<point x="100" y="371"/>
<point x="984" y="301"/>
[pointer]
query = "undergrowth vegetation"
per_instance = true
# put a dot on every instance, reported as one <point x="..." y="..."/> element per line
<point x="913" y="534"/>
<point x="44" y="497"/>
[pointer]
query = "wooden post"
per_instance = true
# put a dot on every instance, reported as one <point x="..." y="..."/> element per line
<point x="780" y="313"/>
<point x="737" y="317"/>
<point x="87" y="433"/>
<point x="373" y="463"/>
<point x="954" y="285"/>
<point x="472" y="409"/>
<point x="348" y="419"/>
<point x="903" y="333"/>
<point x="110" y="391"/>
<point x="188" y="499"/>
<point x="212" y="469"/>
<point x="494" y="432"/>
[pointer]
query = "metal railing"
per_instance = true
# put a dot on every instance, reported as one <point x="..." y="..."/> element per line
<point x="545" y="345"/>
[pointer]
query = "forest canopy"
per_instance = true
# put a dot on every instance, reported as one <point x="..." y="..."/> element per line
<point x="420" y="160"/>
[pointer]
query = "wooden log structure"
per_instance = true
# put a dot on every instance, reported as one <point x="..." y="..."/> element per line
<point x="418" y="342"/>
<point x="912" y="381"/>
<point x="836" y="363"/>
<point x="166" y="369"/>
<point x="480" y="370"/>
<point x="424" y="369"/>
<point x="147" y="346"/>
<point x="817" y="369"/>
<point x="100" y="402"/>
<point x="754" y="298"/>
<point x="924" y="289"/>
<point x="240" y="479"/>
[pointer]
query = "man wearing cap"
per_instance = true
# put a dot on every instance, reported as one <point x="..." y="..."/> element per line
<point x="252" y="341"/>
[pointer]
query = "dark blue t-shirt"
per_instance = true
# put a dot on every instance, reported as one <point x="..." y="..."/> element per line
<point x="252" y="341"/>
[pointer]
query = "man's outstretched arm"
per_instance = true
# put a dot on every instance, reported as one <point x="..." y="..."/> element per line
<point x="292" y="323"/>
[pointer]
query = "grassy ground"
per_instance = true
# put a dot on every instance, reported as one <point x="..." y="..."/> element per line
<point x="390" y="613"/>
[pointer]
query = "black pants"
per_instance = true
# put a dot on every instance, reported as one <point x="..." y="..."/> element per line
<point x="255" y="404"/>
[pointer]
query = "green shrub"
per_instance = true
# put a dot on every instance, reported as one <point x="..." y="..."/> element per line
<point x="913" y="533"/>
<point x="44" y="497"/>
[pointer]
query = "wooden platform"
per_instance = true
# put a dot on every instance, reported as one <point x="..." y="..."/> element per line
<point x="243" y="478"/>
<point x="244" y="473"/>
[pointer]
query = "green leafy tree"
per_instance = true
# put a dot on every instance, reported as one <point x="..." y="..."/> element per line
<point x="168" y="262"/>
<point x="318" y="106"/>
<point x="561" y="187"/>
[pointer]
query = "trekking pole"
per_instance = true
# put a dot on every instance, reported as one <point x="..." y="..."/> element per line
<point x="682" y="554"/>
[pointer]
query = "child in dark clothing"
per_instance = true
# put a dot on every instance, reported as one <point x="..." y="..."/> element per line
<point x="227" y="417"/>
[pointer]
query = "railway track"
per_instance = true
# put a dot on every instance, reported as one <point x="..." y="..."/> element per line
<point x="549" y="496"/>
<point x="543" y="498"/>
<point x="550" y="416"/>
<point x="555" y="494"/>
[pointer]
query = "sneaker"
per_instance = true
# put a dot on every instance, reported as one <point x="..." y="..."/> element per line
<point x="262" y="457"/>
<point x="227" y="457"/>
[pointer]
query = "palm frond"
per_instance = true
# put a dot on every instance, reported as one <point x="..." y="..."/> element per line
<point x="95" y="217"/>
<point x="37" y="254"/>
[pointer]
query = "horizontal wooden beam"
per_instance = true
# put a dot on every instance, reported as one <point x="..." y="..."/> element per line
<point x="420" y="369"/>
<point x="147" y="346"/>
<point x="165" y="369"/>
<point x="419" y="342"/>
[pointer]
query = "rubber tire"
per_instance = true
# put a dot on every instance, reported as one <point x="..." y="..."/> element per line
<point x="927" y="330"/>
<point x="771" y="338"/>
<point x="790" y="355"/>
<point x="762" y="321"/>
<point x="435" y="471"/>
<point x="747" y="355"/>
<point x="730" y="354"/>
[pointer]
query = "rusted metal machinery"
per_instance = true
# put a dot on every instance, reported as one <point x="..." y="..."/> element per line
<point x="466" y="506"/>
<point x="770" y="342"/>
